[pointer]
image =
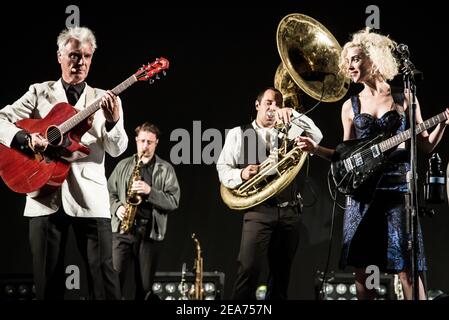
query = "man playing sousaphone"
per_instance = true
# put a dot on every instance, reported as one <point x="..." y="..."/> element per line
<point x="270" y="233"/>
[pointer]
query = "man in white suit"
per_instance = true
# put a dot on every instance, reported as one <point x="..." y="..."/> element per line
<point x="83" y="199"/>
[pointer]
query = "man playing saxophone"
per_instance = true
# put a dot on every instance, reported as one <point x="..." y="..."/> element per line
<point x="145" y="186"/>
<point x="270" y="232"/>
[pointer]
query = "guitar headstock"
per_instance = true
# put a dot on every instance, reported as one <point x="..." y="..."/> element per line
<point x="147" y="72"/>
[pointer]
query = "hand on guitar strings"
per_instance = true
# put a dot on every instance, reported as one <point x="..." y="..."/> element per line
<point x="110" y="106"/>
<point x="37" y="142"/>
<point x="306" y="144"/>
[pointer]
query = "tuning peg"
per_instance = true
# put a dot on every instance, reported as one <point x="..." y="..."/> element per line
<point x="157" y="76"/>
<point x="151" y="81"/>
<point x="164" y="73"/>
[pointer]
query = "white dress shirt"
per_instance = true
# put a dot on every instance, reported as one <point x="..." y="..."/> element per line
<point x="227" y="164"/>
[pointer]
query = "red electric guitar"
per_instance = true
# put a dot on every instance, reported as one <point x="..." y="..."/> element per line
<point x="27" y="172"/>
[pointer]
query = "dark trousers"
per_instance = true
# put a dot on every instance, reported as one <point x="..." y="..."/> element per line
<point x="138" y="250"/>
<point x="48" y="238"/>
<point x="270" y="238"/>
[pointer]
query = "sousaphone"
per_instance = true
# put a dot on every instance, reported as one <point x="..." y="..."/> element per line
<point x="310" y="56"/>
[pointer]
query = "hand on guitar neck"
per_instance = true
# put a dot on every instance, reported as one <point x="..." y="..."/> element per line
<point x="110" y="106"/>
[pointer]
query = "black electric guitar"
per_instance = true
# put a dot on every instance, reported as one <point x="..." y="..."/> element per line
<point x="357" y="161"/>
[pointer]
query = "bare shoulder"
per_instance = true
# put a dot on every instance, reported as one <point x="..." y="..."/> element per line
<point x="346" y="109"/>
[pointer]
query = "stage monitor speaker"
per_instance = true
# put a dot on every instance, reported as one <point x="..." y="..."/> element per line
<point x="169" y="285"/>
<point x="17" y="287"/>
<point x="341" y="286"/>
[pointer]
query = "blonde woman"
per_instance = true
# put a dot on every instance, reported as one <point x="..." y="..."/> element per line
<point x="374" y="230"/>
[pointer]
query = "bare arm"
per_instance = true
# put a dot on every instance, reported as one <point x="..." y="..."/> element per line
<point x="347" y="117"/>
<point x="427" y="142"/>
<point x="309" y="145"/>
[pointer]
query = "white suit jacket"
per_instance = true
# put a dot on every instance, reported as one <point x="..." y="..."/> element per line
<point x="84" y="193"/>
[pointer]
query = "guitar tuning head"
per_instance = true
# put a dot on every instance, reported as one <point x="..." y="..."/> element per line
<point x="164" y="73"/>
<point x="151" y="81"/>
<point x="157" y="76"/>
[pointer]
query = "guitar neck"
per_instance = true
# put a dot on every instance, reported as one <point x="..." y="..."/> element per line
<point x="405" y="135"/>
<point x="94" y="106"/>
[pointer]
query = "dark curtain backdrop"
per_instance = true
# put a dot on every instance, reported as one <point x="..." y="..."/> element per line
<point x="220" y="58"/>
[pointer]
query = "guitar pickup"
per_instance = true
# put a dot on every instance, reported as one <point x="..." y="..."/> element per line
<point x="358" y="159"/>
<point x="375" y="151"/>
<point x="348" y="164"/>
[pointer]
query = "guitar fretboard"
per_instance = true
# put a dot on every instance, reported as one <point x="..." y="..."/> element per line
<point x="403" y="136"/>
<point x="94" y="106"/>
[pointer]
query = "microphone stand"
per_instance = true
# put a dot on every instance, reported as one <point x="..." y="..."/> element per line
<point x="412" y="222"/>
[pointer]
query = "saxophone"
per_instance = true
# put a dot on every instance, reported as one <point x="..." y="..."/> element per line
<point x="133" y="199"/>
<point x="196" y="292"/>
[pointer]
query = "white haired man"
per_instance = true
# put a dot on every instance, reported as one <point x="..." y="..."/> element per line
<point x="82" y="201"/>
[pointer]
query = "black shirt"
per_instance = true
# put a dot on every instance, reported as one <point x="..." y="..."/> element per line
<point x="146" y="172"/>
<point x="73" y="91"/>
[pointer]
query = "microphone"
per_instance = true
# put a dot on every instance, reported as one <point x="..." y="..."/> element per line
<point x="435" y="186"/>
<point x="407" y="67"/>
<point x="402" y="49"/>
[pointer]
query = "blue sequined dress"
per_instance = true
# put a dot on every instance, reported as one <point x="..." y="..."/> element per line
<point x="374" y="230"/>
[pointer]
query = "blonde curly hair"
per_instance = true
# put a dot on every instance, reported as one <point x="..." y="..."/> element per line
<point x="378" y="48"/>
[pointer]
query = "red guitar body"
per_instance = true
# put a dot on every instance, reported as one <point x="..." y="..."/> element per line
<point x="28" y="172"/>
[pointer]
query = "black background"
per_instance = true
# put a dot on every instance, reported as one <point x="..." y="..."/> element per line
<point x="221" y="56"/>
